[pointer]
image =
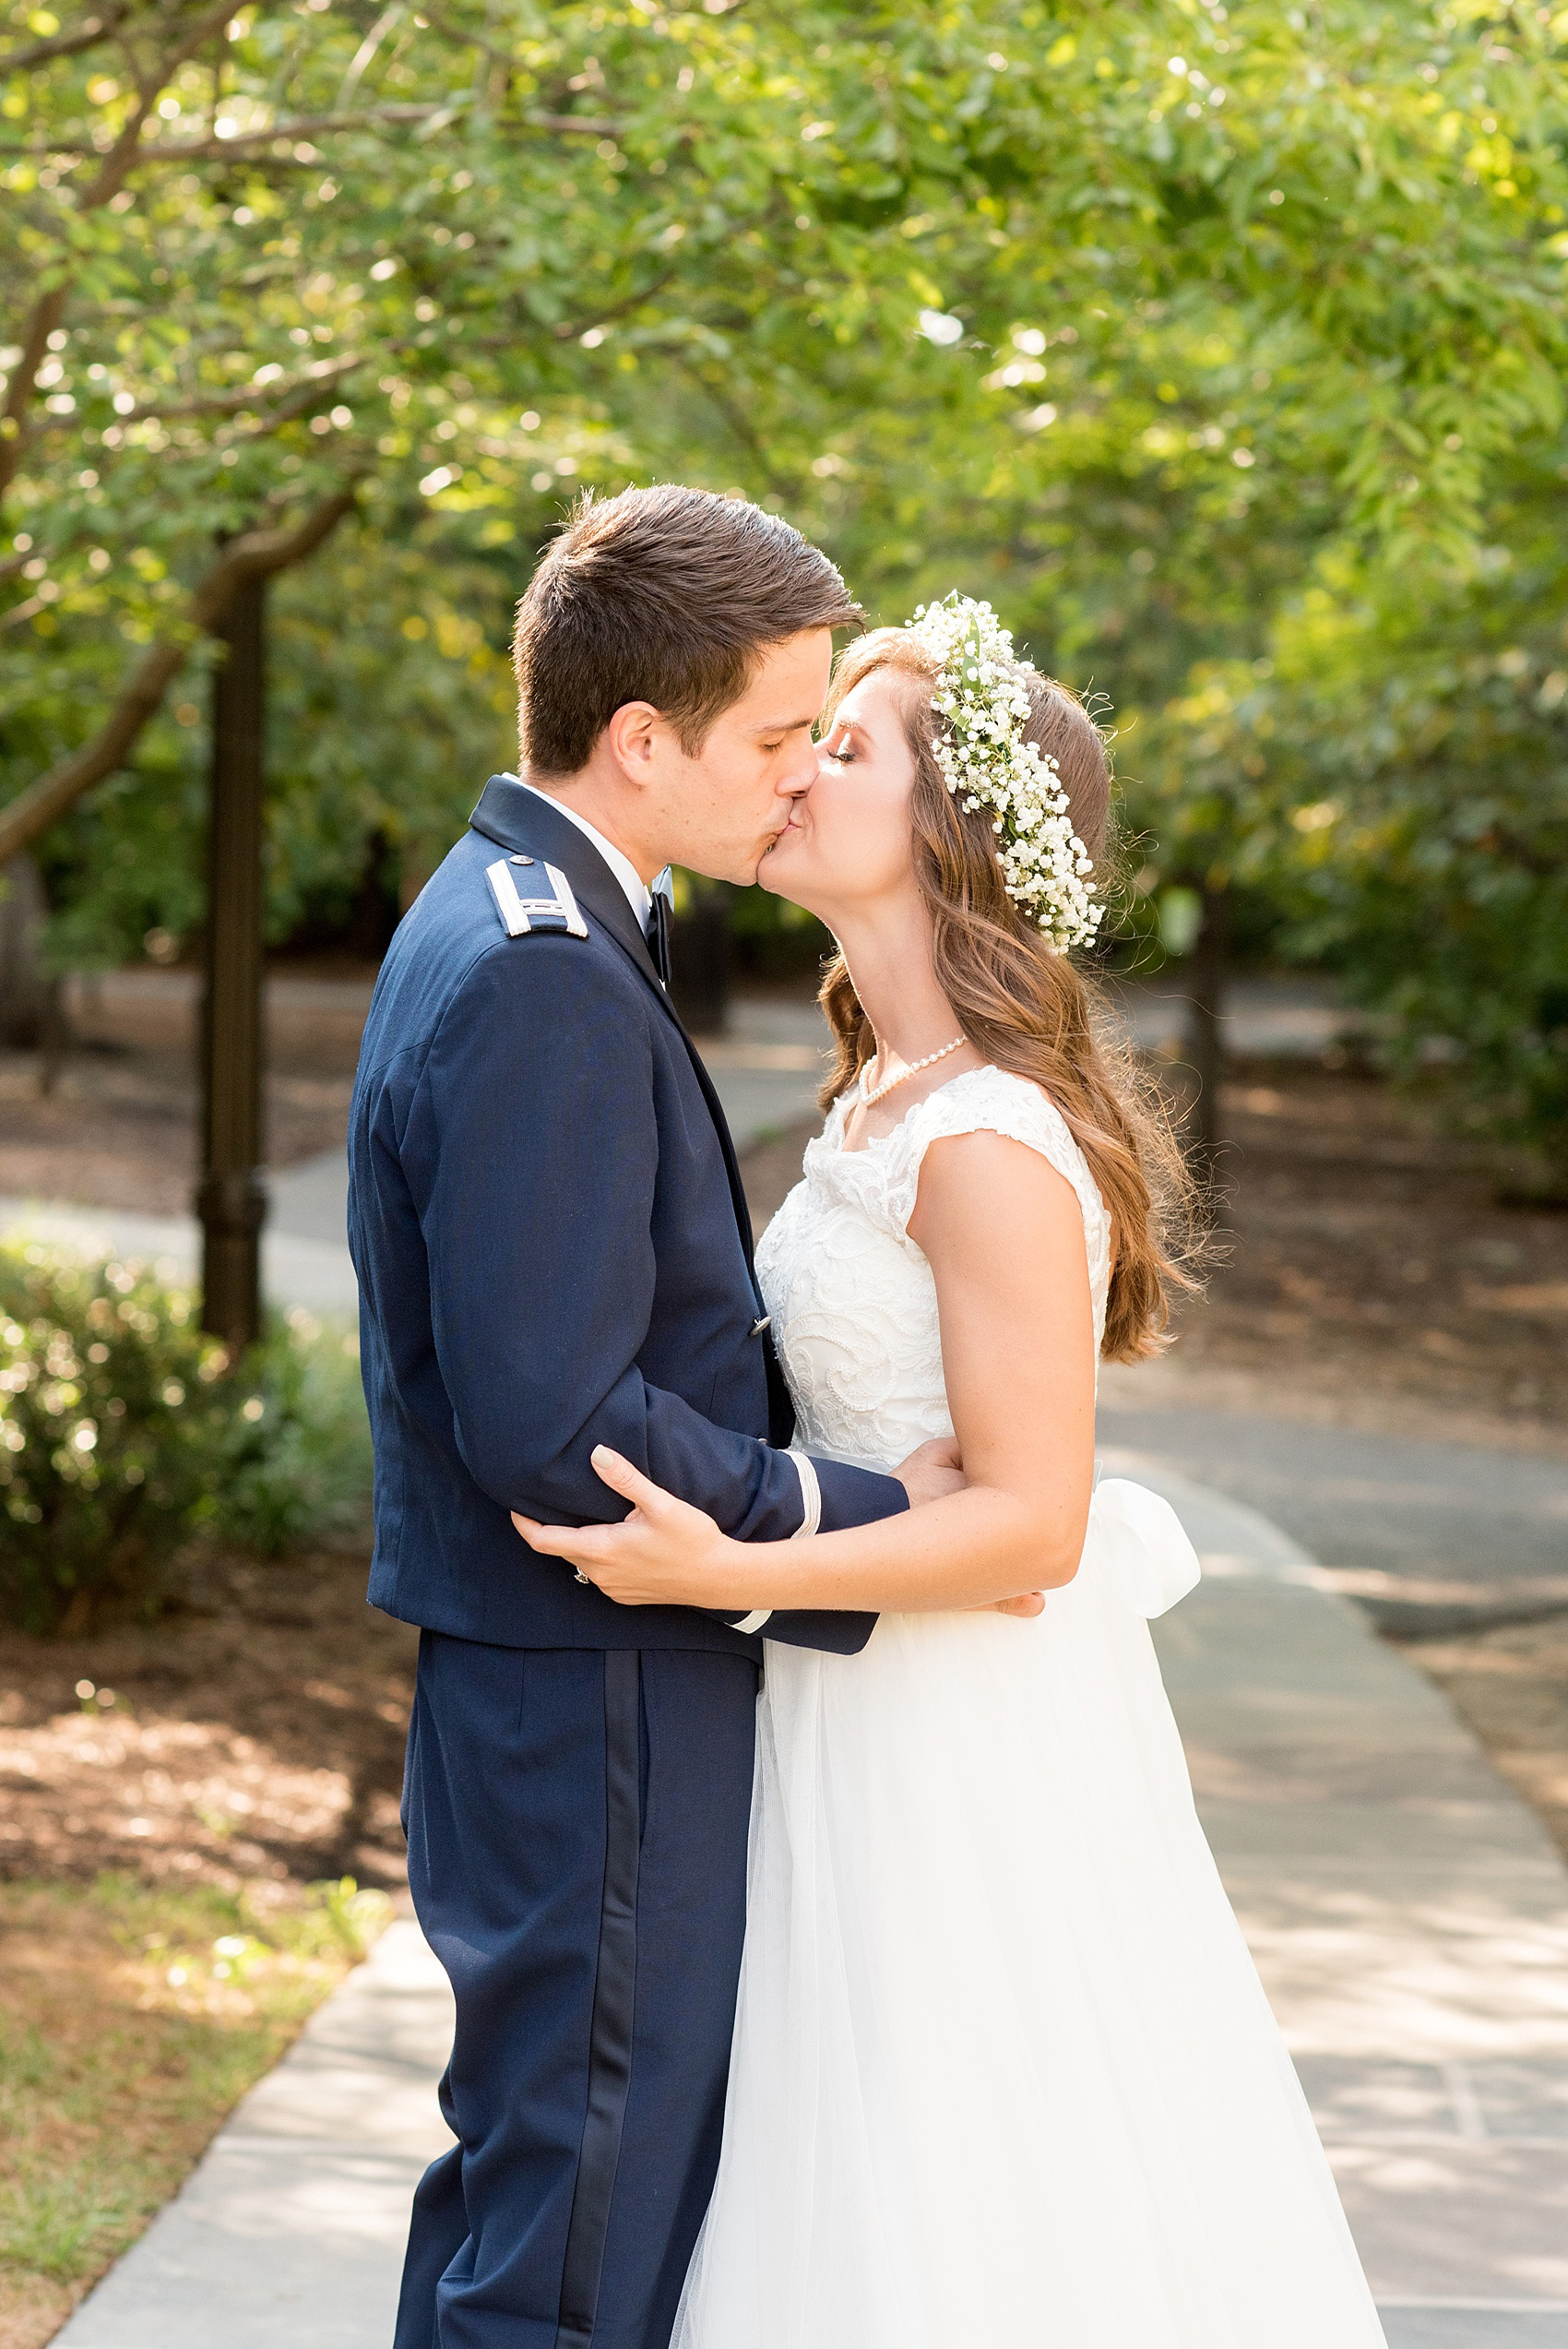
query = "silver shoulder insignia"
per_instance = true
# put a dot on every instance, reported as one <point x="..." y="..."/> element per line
<point x="521" y="915"/>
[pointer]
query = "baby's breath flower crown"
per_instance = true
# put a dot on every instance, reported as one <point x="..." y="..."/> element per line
<point x="988" y="765"/>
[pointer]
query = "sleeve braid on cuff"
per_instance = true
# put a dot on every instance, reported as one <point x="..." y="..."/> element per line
<point x="811" y="1519"/>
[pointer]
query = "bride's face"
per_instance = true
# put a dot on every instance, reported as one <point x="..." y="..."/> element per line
<point x="847" y="839"/>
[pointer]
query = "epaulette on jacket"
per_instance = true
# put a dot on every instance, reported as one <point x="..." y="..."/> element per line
<point x="522" y="915"/>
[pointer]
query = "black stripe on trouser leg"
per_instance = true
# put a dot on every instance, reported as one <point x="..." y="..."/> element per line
<point x="609" y="2048"/>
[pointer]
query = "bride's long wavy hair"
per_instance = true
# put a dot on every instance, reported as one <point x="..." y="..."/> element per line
<point x="1024" y="1008"/>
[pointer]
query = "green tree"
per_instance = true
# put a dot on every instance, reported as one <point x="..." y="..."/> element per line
<point x="270" y="265"/>
<point x="1153" y="325"/>
<point x="1407" y="816"/>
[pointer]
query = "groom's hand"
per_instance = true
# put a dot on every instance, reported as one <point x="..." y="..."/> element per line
<point x="933" y="1473"/>
<point x="930" y="1475"/>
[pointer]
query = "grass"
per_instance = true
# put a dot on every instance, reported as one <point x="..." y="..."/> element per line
<point x="133" y="2018"/>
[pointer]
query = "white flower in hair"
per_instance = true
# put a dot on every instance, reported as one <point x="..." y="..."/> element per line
<point x="988" y="764"/>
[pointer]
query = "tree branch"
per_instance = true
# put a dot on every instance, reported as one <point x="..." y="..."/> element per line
<point x="588" y="125"/>
<point x="20" y="612"/>
<point x="284" y="399"/>
<point x="65" y="45"/>
<point x="183" y="150"/>
<point x="213" y="150"/>
<point x="462" y="40"/>
<point x="365" y="55"/>
<point x="186" y="150"/>
<point x="257" y="555"/>
<point x="302" y="397"/>
<point x="737" y="421"/>
<point x="567" y="330"/>
<point x="47" y="313"/>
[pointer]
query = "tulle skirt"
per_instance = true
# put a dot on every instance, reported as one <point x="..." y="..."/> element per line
<point x="1003" y="2073"/>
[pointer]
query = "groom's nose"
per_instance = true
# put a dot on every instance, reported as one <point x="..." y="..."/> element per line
<point x="801" y="773"/>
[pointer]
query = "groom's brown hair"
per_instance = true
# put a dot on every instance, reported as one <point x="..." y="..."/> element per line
<point x="663" y="595"/>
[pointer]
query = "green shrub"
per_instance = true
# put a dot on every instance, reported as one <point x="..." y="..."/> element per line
<point x="297" y="1462"/>
<point x="124" y="1430"/>
<point x="115" y="1408"/>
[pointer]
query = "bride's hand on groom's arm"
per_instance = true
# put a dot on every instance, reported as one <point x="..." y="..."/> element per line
<point x="933" y="1471"/>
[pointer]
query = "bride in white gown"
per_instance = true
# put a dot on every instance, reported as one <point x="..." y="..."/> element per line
<point x="1003" y="2070"/>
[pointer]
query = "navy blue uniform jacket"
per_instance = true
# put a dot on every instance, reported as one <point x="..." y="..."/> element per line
<point x="554" y="1252"/>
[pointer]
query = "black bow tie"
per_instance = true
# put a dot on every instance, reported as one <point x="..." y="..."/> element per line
<point x="657" y="932"/>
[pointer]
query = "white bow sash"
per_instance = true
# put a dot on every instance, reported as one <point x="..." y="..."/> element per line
<point x="1142" y="1545"/>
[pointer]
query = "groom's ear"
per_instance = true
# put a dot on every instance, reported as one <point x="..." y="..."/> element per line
<point x="632" y="739"/>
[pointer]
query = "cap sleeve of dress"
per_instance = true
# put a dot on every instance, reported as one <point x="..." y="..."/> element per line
<point x="992" y="1101"/>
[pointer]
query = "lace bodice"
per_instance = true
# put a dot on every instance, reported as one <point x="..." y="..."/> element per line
<point x="851" y="1295"/>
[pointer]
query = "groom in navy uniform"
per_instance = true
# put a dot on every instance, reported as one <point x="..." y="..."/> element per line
<point x="554" y="1252"/>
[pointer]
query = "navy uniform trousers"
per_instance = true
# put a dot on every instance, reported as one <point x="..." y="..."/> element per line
<point x="576" y="1824"/>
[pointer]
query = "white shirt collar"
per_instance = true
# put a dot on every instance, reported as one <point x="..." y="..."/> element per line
<point x="639" y="896"/>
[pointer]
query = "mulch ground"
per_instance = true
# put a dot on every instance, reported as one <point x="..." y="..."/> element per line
<point x="1364" y="1248"/>
<point x="1511" y="1685"/>
<point x="256" y="1730"/>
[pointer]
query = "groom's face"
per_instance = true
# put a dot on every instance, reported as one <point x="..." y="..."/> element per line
<point x="722" y="809"/>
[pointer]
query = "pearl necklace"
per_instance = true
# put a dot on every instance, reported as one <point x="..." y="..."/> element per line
<point x="913" y="1069"/>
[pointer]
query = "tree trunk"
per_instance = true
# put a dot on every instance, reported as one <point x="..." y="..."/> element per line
<point x="23" y="985"/>
<point x="1206" y="1038"/>
<point x="232" y="1201"/>
<point x="55" y="1036"/>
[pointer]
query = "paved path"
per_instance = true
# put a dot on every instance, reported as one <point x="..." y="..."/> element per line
<point x="289" y="2235"/>
<point x="1426" y="1533"/>
<point x="1409" y="1915"/>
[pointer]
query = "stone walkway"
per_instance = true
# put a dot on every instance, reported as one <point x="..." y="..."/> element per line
<point x="289" y="2235"/>
<point x="1427" y="1533"/>
<point x="1409" y="1917"/>
<point x="1407" y="1913"/>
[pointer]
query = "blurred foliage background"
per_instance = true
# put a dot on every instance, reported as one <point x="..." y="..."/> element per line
<point x="1222" y="346"/>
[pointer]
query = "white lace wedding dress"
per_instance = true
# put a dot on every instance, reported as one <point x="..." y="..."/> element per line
<point x="1003" y="2070"/>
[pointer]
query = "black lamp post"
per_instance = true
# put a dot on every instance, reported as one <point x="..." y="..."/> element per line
<point x="232" y="1199"/>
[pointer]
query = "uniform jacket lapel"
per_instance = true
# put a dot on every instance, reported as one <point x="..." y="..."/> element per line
<point x="520" y="820"/>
